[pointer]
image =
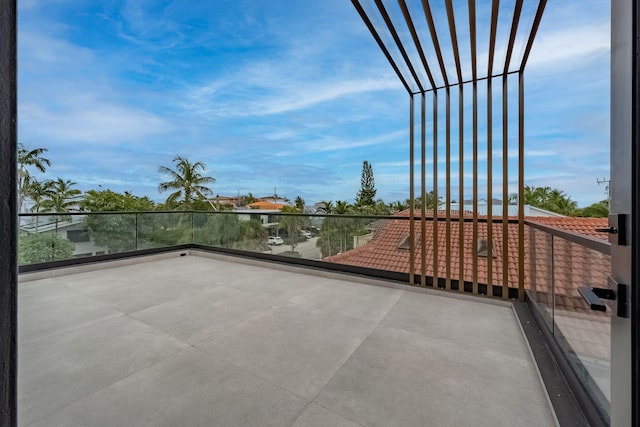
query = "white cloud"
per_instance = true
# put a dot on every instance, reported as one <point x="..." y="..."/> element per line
<point x="334" y="144"/>
<point x="46" y="51"/>
<point x="273" y="96"/>
<point x="90" y="122"/>
<point x="570" y="47"/>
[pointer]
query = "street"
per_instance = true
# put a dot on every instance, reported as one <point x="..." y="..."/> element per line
<point x="306" y="249"/>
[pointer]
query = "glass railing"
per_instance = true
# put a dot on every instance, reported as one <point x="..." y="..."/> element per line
<point x="561" y="262"/>
<point x="45" y="237"/>
<point x="380" y="243"/>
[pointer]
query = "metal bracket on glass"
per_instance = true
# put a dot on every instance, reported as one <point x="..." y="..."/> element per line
<point x="594" y="297"/>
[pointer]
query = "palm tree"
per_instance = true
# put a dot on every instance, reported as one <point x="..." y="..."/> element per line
<point x="327" y="208"/>
<point x="60" y="198"/>
<point x="560" y="202"/>
<point x="187" y="181"/>
<point x="342" y="207"/>
<point x="39" y="191"/>
<point x="398" y="206"/>
<point x="25" y="159"/>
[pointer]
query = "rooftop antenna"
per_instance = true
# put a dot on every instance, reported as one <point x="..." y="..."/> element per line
<point x="607" y="188"/>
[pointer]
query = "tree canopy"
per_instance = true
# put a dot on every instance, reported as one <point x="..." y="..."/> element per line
<point x="29" y="158"/>
<point x="110" y="201"/>
<point x="188" y="181"/>
<point x="550" y="199"/>
<point x="61" y="197"/>
<point x="41" y="247"/>
<point x="367" y="194"/>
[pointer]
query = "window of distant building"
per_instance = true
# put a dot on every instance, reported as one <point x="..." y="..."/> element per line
<point x="404" y="243"/>
<point x="77" y="236"/>
<point x="483" y="248"/>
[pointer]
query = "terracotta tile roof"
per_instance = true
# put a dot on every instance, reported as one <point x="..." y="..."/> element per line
<point x="574" y="264"/>
<point x="265" y="205"/>
<point x="585" y="226"/>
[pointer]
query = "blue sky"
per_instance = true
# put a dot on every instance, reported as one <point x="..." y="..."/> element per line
<point x="292" y="95"/>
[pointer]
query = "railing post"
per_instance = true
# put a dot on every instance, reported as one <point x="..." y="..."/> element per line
<point x="553" y="288"/>
<point x="136" y="229"/>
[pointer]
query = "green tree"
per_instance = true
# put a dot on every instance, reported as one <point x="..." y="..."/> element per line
<point x="337" y="233"/>
<point x="548" y="198"/>
<point x="429" y="200"/>
<point x="595" y="210"/>
<point x="399" y="206"/>
<point x="253" y="236"/>
<point x="117" y="231"/>
<point x="110" y="201"/>
<point x="188" y="182"/>
<point x="299" y="204"/>
<point x="43" y="247"/>
<point x="561" y="203"/>
<point x="292" y="225"/>
<point x="226" y="230"/>
<point x="247" y="200"/>
<point x="367" y="193"/>
<point x="379" y="208"/>
<point x="25" y="159"/>
<point x="327" y="208"/>
<point x="342" y="207"/>
<point x="62" y="198"/>
<point x="39" y="191"/>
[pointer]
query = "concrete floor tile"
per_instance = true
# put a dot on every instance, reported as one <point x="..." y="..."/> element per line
<point x="364" y="302"/>
<point x="129" y="294"/>
<point x="275" y="283"/>
<point x="191" y="388"/>
<point x="57" y="370"/>
<point x="317" y="416"/>
<point x="296" y="347"/>
<point x="132" y="297"/>
<point x="399" y="378"/>
<point x="44" y="291"/>
<point x="195" y="317"/>
<point x="50" y="316"/>
<point x="456" y="319"/>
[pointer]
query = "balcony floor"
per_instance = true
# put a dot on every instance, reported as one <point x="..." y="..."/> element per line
<point x="195" y="341"/>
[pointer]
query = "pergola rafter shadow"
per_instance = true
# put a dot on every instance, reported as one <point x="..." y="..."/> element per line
<point x="410" y="35"/>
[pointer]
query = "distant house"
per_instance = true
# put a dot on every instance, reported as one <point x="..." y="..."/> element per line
<point x="73" y="230"/>
<point x="266" y="205"/>
<point x="263" y="210"/>
<point x="232" y="201"/>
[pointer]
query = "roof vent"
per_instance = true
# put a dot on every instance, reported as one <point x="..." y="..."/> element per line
<point x="404" y="243"/>
<point x="483" y="249"/>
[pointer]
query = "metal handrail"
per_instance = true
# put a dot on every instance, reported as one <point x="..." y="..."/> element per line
<point x="510" y="220"/>
<point x="589" y="242"/>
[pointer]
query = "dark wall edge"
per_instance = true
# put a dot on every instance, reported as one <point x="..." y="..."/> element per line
<point x="8" y="214"/>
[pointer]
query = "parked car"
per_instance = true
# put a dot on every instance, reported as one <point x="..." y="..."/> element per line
<point x="306" y="234"/>
<point x="275" y="240"/>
